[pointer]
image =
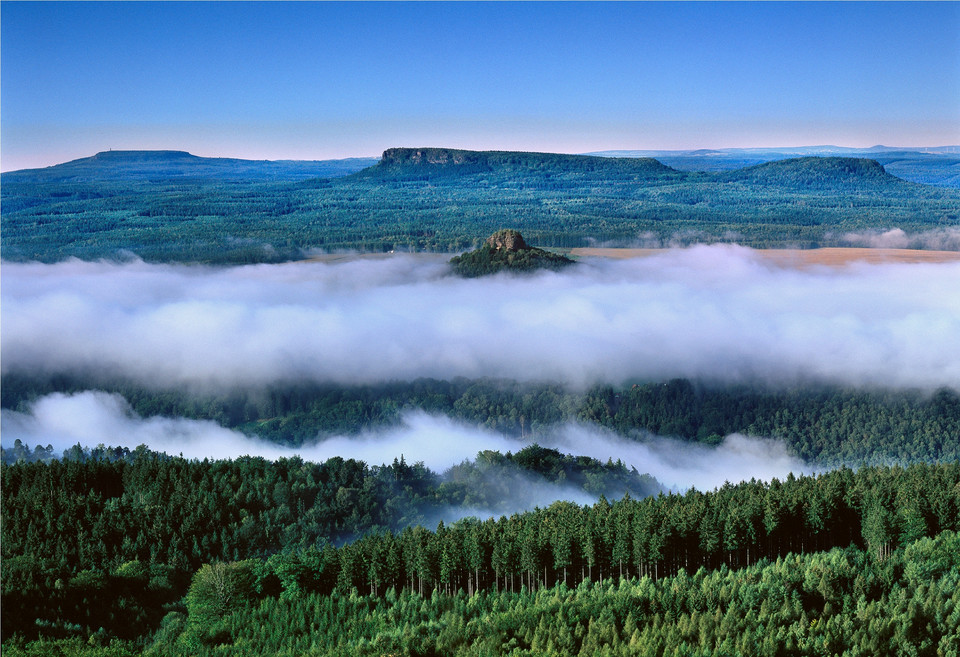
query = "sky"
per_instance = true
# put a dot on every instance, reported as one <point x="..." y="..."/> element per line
<point x="308" y="80"/>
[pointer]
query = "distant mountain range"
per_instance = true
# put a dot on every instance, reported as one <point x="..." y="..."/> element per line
<point x="164" y="165"/>
<point x="938" y="165"/>
<point x="930" y="165"/>
<point x="174" y="206"/>
<point x="780" y="153"/>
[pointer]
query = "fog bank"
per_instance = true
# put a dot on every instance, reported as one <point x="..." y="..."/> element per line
<point x="91" y="418"/>
<point x="942" y="239"/>
<point x="712" y="312"/>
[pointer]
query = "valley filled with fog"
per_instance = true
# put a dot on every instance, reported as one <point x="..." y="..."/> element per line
<point x="720" y="315"/>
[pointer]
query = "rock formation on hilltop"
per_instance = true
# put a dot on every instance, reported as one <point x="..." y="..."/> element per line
<point x="506" y="250"/>
<point x="507" y="239"/>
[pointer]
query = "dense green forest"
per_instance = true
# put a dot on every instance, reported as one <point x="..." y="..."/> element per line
<point x="234" y="557"/>
<point x="442" y="200"/>
<point x="823" y="425"/>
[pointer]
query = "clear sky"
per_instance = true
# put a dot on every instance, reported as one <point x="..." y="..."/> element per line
<point x="307" y="80"/>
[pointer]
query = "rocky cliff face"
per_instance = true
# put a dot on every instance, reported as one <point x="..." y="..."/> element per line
<point x="423" y="156"/>
<point x="507" y="240"/>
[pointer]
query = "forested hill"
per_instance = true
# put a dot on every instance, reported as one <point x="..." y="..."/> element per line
<point x="506" y="165"/>
<point x="817" y="173"/>
<point x="172" y="206"/>
<point x="539" y="169"/>
<point x="164" y="165"/>
<point x="938" y="166"/>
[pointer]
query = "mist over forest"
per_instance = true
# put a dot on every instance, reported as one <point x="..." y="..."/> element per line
<point x="716" y="313"/>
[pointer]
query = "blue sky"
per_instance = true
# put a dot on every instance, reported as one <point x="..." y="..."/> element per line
<point x="310" y="80"/>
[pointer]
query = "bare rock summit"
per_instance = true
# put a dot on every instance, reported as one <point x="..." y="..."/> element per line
<point x="507" y="240"/>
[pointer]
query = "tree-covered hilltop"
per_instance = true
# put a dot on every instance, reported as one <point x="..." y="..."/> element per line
<point x="444" y="200"/>
<point x="817" y="173"/>
<point x="171" y="165"/>
<point x="506" y="250"/>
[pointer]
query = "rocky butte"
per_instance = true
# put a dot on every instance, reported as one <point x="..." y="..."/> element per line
<point x="506" y="250"/>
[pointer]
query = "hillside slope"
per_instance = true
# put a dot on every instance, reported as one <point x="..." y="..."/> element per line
<point x="816" y="173"/>
<point x="164" y="165"/>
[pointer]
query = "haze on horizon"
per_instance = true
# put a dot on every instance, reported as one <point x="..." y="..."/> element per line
<point x="333" y="80"/>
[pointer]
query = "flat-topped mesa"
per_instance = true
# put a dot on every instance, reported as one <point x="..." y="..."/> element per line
<point x="507" y="240"/>
<point x="450" y="163"/>
<point x="142" y="156"/>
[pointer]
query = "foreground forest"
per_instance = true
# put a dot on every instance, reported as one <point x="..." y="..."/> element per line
<point x="113" y="551"/>
<point x="112" y="554"/>
<point x="446" y="200"/>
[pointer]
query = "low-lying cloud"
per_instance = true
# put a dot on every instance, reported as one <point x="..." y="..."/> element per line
<point x="943" y="239"/>
<point x="679" y="465"/>
<point x="718" y="313"/>
<point x="92" y="418"/>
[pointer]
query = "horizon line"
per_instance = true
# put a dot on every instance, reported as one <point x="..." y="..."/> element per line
<point x="601" y="152"/>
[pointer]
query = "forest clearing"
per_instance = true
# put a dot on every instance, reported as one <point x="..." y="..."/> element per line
<point x="829" y="256"/>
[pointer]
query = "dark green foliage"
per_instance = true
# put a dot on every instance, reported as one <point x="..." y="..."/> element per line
<point x="70" y="529"/>
<point x="444" y="205"/>
<point x="494" y="480"/>
<point x="106" y="538"/>
<point x="95" y="646"/>
<point x="824" y="425"/>
<point x="842" y="602"/>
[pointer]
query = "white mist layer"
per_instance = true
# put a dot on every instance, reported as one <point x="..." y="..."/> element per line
<point x="944" y="239"/>
<point x="680" y="465"/>
<point x="92" y="418"/>
<point x="712" y="312"/>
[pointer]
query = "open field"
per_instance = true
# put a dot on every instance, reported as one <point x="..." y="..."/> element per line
<point x="832" y="257"/>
